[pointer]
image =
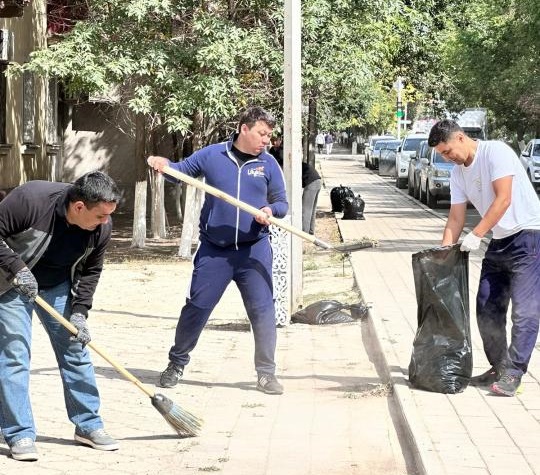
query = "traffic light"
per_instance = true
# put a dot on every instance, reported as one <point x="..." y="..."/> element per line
<point x="400" y="113"/>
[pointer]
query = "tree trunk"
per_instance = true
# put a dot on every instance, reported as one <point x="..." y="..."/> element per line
<point x="312" y="129"/>
<point x="179" y="187"/>
<point x="157" y="186"/>
<point x="139" y="209"/>
<point x="194" y="200"/>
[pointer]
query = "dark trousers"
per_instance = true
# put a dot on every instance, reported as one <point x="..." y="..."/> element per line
<point x="250" y="268"/>
<point x="510" y="272"/>
<point x="309" y="206"/>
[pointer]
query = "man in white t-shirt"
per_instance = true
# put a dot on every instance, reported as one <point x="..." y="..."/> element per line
<point x="490" y="176"/>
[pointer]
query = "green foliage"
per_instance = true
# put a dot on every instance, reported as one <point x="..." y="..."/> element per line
<point x="494" y="62"/>
<point x="170" y="59"/>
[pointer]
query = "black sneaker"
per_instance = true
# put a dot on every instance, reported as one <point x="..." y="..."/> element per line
<point x="486" y="379"/>
<point x="24" y="450"/>
<point x="508" y="385"/>
<point x="172" y="374"/>
<point x="97" y="439"/>
<point x="267" y="383"/>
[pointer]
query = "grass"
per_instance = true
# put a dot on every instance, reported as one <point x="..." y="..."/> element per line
<point x="310" y="265"/>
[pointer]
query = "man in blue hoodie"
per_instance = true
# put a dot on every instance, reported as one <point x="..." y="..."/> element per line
<point x="234" y="246"/>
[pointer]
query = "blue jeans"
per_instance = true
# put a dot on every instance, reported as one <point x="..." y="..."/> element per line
<point x="76" y="370"/>
<point x="510" y="271"/>
<point x="214" y="268"/>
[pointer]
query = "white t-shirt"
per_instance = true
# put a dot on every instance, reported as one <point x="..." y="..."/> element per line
<point x="494" y="160"/>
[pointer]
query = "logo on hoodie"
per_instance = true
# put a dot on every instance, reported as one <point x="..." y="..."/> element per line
<point x="256" y="172"/>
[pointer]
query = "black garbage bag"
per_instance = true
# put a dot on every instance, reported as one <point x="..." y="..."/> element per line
<point x="353" y="207"/>
<point x="441" y="359"/>
<point x="325" y="312"/>
<point x="337" y="195"/>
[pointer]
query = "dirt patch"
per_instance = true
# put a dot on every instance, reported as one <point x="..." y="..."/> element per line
<point x="120" y="249"/>
<point x="141" y="274"/>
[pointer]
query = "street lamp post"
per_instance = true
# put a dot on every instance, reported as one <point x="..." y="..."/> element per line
<point x="292" y="160"/>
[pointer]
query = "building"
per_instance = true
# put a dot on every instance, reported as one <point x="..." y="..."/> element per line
<point x="45" y="135"/>
<point x="29" y="140"/>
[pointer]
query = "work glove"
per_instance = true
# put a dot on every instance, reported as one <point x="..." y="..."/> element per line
<point x="471" y="243"/>
<point x="26" y="284"/>
<point x="78" y="320"/>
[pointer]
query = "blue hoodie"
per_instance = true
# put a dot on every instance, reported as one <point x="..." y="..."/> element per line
<point x="258" y="182"/>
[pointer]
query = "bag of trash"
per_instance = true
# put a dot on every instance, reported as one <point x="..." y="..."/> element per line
<point x="353" y="207"/>
<point x="325" y="312"/>
<point x="337" y="195"/>
<point x="441" y="359"/>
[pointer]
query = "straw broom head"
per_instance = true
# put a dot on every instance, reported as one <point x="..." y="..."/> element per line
<point x="184" y="423"/>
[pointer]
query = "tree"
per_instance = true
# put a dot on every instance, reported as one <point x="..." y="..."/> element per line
<point x="170" y="61"/>
<point x="492" y="57"/>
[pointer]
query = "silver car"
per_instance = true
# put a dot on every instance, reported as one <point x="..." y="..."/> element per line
<point x="408" y="147"/>
<point x="413" y="175"/>
<point x="530" y="159"/>
<point x="370" y="145"/>
<point x="434" y="178"/>
<point x="387" y="157"/>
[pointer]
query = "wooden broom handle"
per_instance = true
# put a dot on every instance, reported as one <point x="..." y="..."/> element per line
<point x="100" y="351"/>
<point x="243" y="206"/>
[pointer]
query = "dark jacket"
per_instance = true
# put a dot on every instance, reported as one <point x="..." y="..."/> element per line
<point x="27" y="216"/>
<point x="258" y="182"/>
<point x="309" y="174"/>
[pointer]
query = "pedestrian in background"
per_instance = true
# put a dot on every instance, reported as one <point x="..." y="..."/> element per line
<point x="490" y="176"/>
<point x="311" y="185"/>
<point x="319" y="141"/>
<point x="52" y="243"/>
<point x="276" y="150"/>
<point x="233" y="245"/>
<point x="329" y="141"/>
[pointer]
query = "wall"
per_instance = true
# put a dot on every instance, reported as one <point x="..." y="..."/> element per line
<point x="21" y="162"/>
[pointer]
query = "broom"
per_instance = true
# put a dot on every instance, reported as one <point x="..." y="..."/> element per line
<point x="184" y="423"/>
<point x="343" y="248"/>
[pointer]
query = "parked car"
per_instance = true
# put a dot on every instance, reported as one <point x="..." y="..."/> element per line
<point x="434" y="178"/>
<point x="413" y="174"/>
<point x="369" y="146"/>
<point x="407" y="148"/>
<point x="530" y="159"/>
<point x="376" y="154"/>
<point x="387" y="157"/>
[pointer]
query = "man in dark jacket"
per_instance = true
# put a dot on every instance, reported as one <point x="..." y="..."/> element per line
<point x="52" y="242"/>
<point x="233" y="244"/>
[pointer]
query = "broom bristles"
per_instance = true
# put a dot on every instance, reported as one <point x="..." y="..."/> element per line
<point x="184" y="423"/>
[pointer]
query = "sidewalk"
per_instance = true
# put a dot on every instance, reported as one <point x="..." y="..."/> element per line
<point x="472" y="433"/>
<point x="335" y="418"/>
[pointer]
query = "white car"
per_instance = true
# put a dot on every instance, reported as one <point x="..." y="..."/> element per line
<point x="530" y="159"/>
<point x="403" y="157"/>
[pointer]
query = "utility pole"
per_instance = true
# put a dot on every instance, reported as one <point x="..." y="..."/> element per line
<point x="292" y="160"/>
<point x="398" y="85"/>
